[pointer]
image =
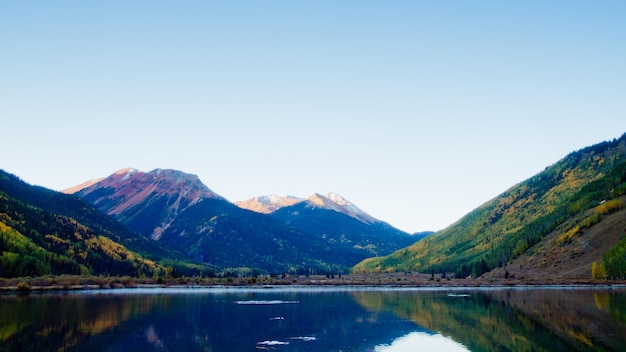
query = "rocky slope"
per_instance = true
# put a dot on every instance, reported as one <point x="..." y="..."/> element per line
<point x="147" y="202"/>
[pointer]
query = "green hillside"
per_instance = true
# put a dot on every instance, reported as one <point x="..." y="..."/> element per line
<point x="44" y="232"/>
<point x="507" y="226"/>
<point x="34" y="242"/>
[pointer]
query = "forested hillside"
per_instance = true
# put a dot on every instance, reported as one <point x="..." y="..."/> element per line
<point x="45" y="232"/>
<point x="505" y="227"/>
<point x="34" y="242"/>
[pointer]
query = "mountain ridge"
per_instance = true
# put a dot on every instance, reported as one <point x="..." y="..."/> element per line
<point x="179" y="211"/>
<point x="338" y="226"/>
<point x="332" y="201"/>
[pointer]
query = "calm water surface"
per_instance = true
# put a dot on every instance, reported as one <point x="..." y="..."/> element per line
<point x="316" y="319"/>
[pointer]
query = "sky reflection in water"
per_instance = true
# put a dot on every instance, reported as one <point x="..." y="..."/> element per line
<point x="423" y="341"/>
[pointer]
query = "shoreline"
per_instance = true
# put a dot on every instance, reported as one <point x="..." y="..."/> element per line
<point x="392" y="281"/>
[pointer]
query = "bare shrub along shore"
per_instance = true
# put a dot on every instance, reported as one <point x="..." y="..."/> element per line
<point x="72" y="282"/>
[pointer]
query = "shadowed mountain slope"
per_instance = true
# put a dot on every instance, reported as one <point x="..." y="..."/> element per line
<point x="320" y="215"/>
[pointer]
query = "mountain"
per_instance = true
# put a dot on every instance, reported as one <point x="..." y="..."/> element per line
<point x="564" y="204"/>
<point x="337" y="220"/>
<point x="45" y="232"/>
<point x="180" y="212"/>
<point x="268" y="204"/>
<point x="341" y="222"/>
<point x="333" y="201"/>
<point x="146" y="202"/>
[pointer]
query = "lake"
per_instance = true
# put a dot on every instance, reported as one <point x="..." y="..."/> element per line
<point x="316" y="319"/>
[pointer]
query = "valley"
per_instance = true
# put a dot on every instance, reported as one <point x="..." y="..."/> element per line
<point x="564" y="225"/>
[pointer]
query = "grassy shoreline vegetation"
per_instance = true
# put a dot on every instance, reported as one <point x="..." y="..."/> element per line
<point x="81" y="282"/>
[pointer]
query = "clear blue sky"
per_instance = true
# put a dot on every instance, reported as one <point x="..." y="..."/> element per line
<point x="416" y="111"/>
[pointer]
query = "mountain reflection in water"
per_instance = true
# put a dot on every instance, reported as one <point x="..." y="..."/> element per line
<point x="315" y="319"/>
<point x="425" y="342"/>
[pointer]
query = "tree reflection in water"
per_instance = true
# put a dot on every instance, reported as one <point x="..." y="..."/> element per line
<point x="527" y="319"/>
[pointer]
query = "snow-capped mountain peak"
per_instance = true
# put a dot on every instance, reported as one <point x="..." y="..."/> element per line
<point x="268" y="204"/>
<point x="334" y="201"/>
<point x="337" y="199"/>
<point x="331" y="201"/>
